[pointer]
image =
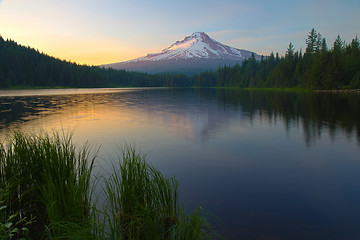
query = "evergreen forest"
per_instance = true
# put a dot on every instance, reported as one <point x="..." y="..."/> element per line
<point x="319" y="67"/>
<point x="25" y="67"/>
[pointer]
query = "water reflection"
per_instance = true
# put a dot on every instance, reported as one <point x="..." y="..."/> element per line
<point x="184" y="109"/>
<point x="270" y="165"/>
<point x="17" y="106"/>
<point x="315" y="112"/>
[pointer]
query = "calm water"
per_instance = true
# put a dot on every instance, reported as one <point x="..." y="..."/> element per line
<point x="269" y="165"/>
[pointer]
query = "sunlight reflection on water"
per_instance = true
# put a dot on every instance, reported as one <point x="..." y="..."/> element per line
<point x="269" y="165"/>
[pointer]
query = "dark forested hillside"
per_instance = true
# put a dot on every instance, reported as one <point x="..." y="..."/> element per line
<point x="317" y="68"/>
<point x="25" y="67"/>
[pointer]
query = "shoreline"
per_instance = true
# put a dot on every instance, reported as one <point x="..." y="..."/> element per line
<point x="340" y="91"/>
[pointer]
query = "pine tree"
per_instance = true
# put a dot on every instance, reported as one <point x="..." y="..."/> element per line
<point x="355" y="44"/>
<point x="318" y="43"/>
<point x="277" y="59"/>
<point x="290" y="51"/>
<point x="339" y="45"/>
<point x="352" y="63"/>
<point x="311" y="41"/>
<point x="323" y="48"/>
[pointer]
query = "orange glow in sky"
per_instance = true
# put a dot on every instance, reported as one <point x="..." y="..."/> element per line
<point x="98" y="32"/>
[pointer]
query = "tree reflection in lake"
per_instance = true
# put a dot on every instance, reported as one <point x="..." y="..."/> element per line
<point x="269" y="164"/>
<point x="314" y="111"/>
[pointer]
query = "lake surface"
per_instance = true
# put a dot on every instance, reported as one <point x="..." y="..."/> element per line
<point x="269" y="165"/>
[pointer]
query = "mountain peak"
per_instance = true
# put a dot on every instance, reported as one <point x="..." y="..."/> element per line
<point x="195" y="48"/>
<point x="199" y="34"/>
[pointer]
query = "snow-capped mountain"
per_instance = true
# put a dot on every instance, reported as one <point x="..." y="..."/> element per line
<point x="197" y="52"/>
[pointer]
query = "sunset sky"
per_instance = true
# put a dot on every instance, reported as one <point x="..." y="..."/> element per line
<point x="106" y="31"/>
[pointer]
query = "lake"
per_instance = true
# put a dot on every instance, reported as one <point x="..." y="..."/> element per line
<point x="268" y="165"/>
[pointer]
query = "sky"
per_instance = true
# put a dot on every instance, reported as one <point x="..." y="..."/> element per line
<point x="98" y="32"/>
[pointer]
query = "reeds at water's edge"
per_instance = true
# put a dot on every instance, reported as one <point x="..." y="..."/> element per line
<point x="48" y="179"/>
<point x="46" y="186"/>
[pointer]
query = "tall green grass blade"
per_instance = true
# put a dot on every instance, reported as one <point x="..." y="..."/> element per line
<point x="49" y="179"/>
<point x="46" y="176"/>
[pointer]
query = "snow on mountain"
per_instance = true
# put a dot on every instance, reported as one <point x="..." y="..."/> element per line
<point x="197" y="52"/>
<point x="197" y="45"/>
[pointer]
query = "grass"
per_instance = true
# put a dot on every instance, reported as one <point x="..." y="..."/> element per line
<point x="143" y="204"/>
<point x="46" y="193"/>
<point x="49" y="179"/>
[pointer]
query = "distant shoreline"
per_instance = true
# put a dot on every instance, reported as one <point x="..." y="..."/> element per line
<point x="340" y="91"/>
<point x="357" y="91"/>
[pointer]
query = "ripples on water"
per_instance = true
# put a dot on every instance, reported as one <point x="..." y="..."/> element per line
<point x="270" y="165"/>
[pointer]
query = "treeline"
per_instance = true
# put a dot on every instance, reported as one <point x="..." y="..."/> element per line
<point x="27" y="67"/>
<point x="317" y="68"/>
